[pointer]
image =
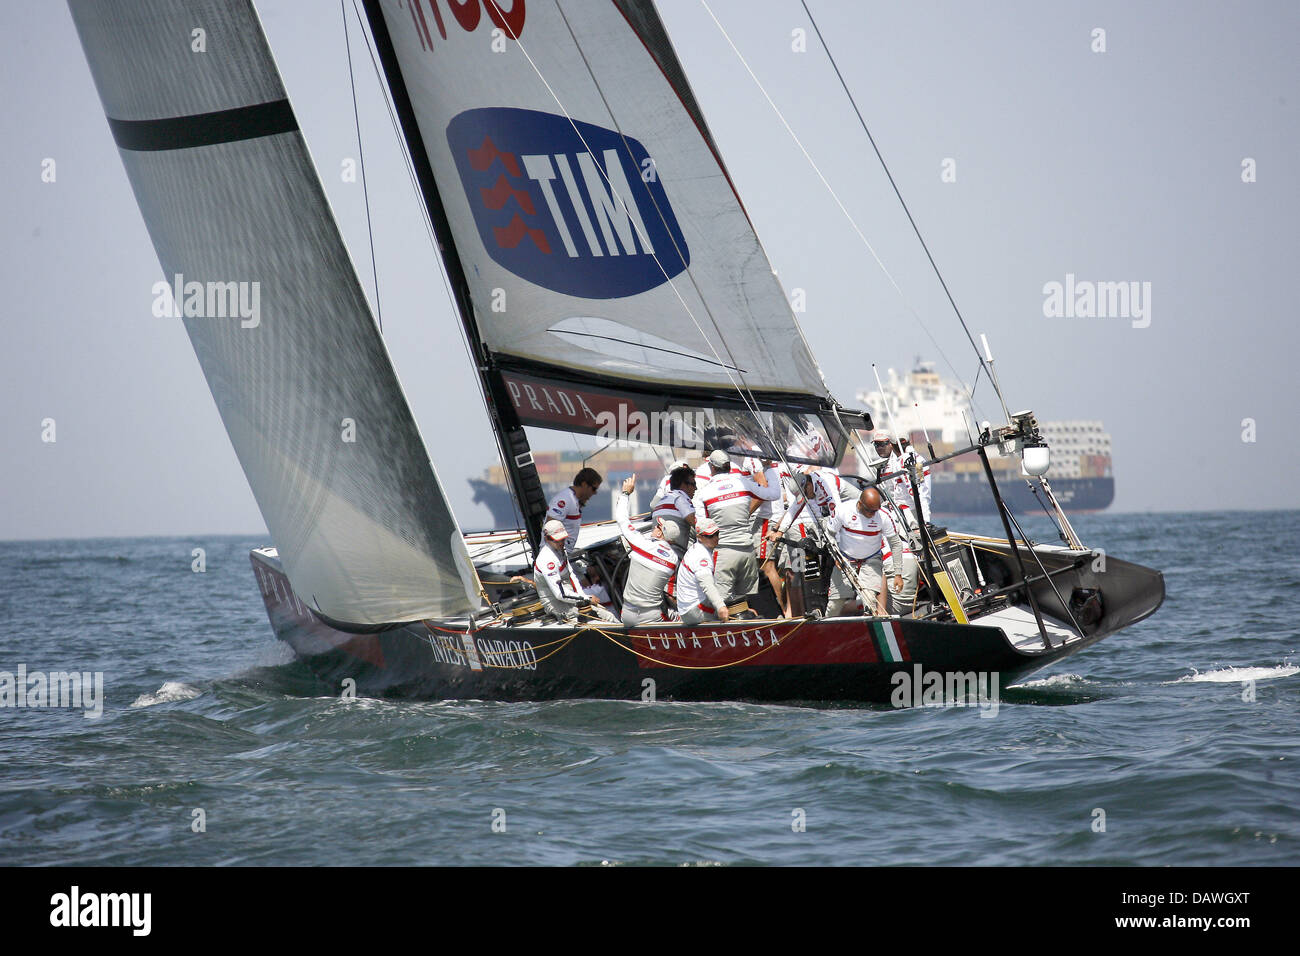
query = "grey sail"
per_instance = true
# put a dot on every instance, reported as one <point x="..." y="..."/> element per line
<point x="274" y="309"/>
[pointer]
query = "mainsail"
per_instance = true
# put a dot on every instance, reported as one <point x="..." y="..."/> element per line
<point x="302" y="380"/>
<point x="601" y="257"/>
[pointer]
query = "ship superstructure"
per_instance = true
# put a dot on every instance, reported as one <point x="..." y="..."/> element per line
<point x="922" y="403"/>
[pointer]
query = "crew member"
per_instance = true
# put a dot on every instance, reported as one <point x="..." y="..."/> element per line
<point x="566" y="507"/>
<point x="652" y="563"/>
<point x="773" y="560"/>
<point x="747" y="466"/>
<point x="730" y="500"/>
<point x="677" y="506"/>
<point x="898" y="455"/>
<point x="698" y="597"/>
<point x="557" y="585"/>
<point x="666" y="484"/>
<point x="823" y="490"/>
<point x="595" y="588"/>
<point x="862" y="535"/>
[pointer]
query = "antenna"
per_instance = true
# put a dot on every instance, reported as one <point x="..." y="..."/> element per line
<point x="993" y="374"/>
<point x="924" y="431"/>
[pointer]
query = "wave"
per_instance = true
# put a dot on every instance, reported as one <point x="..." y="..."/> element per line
<point x="1056" y="680"/>
<point x="168" y="693"/>
<point x="1235" y="675"/>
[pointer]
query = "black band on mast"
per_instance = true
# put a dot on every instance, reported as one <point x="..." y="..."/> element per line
<point x="204" y="129"/>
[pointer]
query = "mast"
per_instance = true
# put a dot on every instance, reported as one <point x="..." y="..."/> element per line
<point x="511" y="438"/>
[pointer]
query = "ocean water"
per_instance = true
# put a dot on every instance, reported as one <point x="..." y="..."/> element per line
<point x="214" y="747"/>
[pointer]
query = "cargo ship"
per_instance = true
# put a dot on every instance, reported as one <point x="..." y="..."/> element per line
<point x="922" y="403"/>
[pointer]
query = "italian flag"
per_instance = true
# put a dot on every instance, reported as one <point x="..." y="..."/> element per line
<point x="889" y="641"/>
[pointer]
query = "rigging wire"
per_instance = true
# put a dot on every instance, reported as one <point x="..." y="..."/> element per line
<point x="428" y="228"/>
<point x="746" y="394"/>
<point x="742" y="387"/>
<point x="361" y="158"/>
<point x="835" y="196"/>
<point x="885" y="167"/>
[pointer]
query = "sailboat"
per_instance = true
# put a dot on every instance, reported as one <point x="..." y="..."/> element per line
<point x="602" y="265"/>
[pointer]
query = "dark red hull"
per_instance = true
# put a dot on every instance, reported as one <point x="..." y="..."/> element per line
<point x="840" y="659"/>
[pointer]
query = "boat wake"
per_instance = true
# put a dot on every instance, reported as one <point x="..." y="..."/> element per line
<point x="1055" y="681"/>
<point x="1235" y="675"/>
<point x="168" y="693"/>
<point x="1059" y="689"/>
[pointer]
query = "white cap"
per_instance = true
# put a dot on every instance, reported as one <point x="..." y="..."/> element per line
<point x="554" y="528"/>
<point x="719" y="458"/>
<point x="671" y="531"/>
<point x="706" y="526"/>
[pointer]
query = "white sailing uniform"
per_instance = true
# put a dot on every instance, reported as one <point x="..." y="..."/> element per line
<point x="601" y="594"/>
<point x="564" y="507"/>
<point x="864" y="544"/>
<point x="652" y="564"/>
<point x="899" y="488"/>
<point x="698" y="596"/>
<point x="662" y="491"/>
<point x="829" y="492"/>
<point x="726" y="500"/>
<point x="556" y="583"/>
<point x="676" y="506"/>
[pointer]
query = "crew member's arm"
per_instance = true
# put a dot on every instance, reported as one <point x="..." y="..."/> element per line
<point x="886" y="556"/>
<point x="709" y="588"/>
<point x="759" y="487"/>
<point x="893" y="543"/>
<point x="754" y="502"/>
<point x="621" y="508"/>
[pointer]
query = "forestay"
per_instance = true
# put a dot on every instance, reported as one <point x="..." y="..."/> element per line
<point x="274" y="310"/>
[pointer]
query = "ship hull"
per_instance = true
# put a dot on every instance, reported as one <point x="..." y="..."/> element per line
<point x="857" y="660"/>
<point x="972" y="496"/>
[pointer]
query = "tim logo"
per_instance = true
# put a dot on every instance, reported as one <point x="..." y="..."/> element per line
<point x="576" y="211"/>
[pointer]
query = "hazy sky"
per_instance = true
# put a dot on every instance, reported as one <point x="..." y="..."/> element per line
<point x="1123" y="165"/>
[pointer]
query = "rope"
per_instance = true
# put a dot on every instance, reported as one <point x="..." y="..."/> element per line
<point x="702" y="667"/>
<point x="560" y="643"/>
